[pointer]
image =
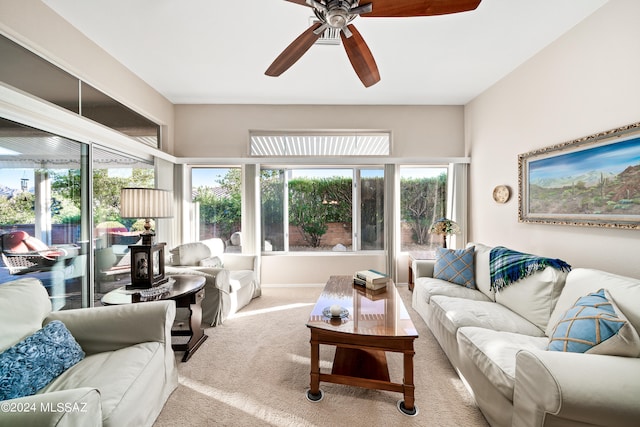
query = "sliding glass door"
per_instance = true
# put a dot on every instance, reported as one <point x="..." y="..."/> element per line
<point x="44" y="221"/>
<point x="112" y="234"/>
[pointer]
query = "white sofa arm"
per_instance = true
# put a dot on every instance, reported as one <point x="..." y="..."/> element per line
<point x="75" y="407"/>
<point x="557" y="388"/>
<point x="240" y="262"/>
<point x="423" y="268"/>
<point x="114" y="327"/>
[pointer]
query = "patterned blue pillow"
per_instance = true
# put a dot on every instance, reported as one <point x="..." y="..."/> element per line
<point x="455" y="266"/>
<point x="595" y="325"/>
<point x="37" y="360"/>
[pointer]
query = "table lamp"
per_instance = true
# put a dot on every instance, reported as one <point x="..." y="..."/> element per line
<point x="147" y="259"/>
<point x="146" y="203"/>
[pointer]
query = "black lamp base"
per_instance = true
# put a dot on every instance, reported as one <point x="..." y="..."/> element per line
<point x="147" y="238"/>
<point x="147" y="266"/>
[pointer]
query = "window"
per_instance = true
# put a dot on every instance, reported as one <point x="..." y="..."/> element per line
<point x="274" y="207"/>
<point x="45" y="179"/>
<point x="217" y="196"/>
<point x="29" y="72"/>
<point x="313" y="209"/>
<point x="44" y="230"/>
<point x="324" y="144"/>
<point x="105" y="110"/>
<point x="371" y="193"/>
<point x="423" y="199"/>
<point x="113" y="234"/>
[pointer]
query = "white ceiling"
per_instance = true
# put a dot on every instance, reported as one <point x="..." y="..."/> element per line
<point x="216" y="51"/>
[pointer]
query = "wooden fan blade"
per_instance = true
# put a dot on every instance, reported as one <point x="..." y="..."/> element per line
<point x="294" y="51"/>
<point x="300" y="2"/>
<point x="395" y="8"/>
<point x="360" y="57"/>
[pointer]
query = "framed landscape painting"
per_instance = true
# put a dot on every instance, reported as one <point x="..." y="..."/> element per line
<point x="591" y="181"/>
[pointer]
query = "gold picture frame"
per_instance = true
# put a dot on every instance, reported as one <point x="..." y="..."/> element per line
<point x="590" y="181"/>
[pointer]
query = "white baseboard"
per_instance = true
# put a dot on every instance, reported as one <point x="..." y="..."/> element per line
<point x="293" y="285"/>
<point x="308" y="285"/>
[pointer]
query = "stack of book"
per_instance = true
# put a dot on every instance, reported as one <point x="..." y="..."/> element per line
<point x="370" y="279"/>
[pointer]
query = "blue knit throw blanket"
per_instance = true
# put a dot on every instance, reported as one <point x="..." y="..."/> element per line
<point x="507" y="266"/>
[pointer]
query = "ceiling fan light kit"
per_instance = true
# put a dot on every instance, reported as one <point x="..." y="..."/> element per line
<point x="338" y="14"/>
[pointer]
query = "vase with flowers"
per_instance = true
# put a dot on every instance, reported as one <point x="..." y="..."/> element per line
<point x="444" y="227"/>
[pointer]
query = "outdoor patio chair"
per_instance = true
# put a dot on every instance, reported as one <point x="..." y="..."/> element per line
<point x="22" y="253"/>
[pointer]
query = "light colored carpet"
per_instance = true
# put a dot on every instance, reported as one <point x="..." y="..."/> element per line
<point x="254" y="371"/>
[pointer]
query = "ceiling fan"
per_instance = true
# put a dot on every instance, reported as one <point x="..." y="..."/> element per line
<point x="338" y="14"/>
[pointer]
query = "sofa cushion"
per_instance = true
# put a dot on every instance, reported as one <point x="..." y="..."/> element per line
<point x="454" y="313"/>
<point x="35" y="244"/>
<point x="493" y="353"/>
<point x="455" y="266"/>
<point x="216" y="246"/>
<point x="428" y="287"/>
<point x="595" y="325"/>
<point x="35" y="361"/>
<point x="190" y="253"/>
<point x="481" y="269"/>
<point x="535" y="296"/>
<point x="625" y="291"/>
<point x="508" y="266"/>
<point x="213" y="261"/>
<point x="128" y="380"/>
<point x="23" y="305"/>
<point x="14" y="241"/>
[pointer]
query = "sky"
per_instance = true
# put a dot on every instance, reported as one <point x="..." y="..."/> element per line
<point x="207" y="176"/>
<point x="11" y="177"/>
<point x="613" y="157"/>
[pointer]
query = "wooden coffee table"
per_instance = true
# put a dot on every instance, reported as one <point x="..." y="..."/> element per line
<point x="374" y="324"/>
<point x="188" y="292"/>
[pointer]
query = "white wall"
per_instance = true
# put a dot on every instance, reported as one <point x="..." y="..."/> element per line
<point x="586" y="82"/>
<point x="223" y="130"/>
<point x="310" y="268"/>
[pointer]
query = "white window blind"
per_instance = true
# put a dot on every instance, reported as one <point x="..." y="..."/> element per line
<point x="330" y="144"/>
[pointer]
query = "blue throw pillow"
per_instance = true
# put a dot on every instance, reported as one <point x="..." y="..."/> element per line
<point x="595" y="325"/>
<point x="37" y="360"/>
<point x="455" y="266"/>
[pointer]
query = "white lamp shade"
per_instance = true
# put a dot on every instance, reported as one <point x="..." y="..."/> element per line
<point x="145" y="203"/>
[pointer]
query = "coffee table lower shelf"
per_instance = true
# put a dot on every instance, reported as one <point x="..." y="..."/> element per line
<point x="362" y="364"/>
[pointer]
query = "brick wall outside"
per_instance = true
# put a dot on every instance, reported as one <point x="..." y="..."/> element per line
<point x="337" y="233"/>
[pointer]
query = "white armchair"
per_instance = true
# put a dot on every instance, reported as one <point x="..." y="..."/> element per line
<point x="232" y="280"/>
<point x="127" y="373"/>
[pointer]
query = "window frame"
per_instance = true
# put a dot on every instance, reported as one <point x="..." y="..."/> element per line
<point x="356" y="211"/>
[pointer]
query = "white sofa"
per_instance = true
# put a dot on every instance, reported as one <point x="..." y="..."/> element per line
<point x="497" y="341"/>
<point x="127" y="373"/>
<point x="232" y="280"/>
